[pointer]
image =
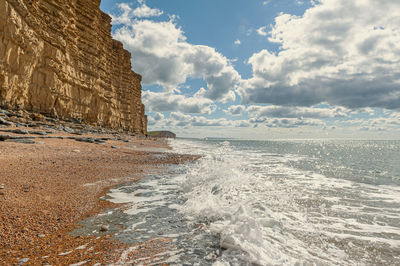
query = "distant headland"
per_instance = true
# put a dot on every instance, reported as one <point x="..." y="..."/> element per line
<point x="162" y="134"/>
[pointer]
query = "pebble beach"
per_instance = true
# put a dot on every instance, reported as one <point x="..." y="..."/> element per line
<point x="52" y="176"/>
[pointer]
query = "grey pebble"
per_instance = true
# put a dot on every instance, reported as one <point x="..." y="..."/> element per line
<point x="20" y="131"/>
<point x="38" y="133"/>
<point x="24" y="141"/>
<point x="89" y="140"/>
<point x="5" y="122"/>
<point x="23" y="137"/>
<point x="115" y="147"/>
<point x="22" y="261"/>
<point x="3" y="137"/>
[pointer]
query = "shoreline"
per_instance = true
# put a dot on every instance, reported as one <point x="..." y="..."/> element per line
<point x="53" y="184"/>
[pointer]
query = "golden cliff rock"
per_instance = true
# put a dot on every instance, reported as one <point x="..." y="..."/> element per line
<point x="58" y="58"/>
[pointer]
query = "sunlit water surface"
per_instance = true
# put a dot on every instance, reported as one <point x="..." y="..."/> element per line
<point x="270" y="203"/>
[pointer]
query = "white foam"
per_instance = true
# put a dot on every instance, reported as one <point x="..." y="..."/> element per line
<point x="268" y="212"/>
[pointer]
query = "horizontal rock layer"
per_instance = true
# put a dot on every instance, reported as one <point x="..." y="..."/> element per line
<point x="58" y="57"/>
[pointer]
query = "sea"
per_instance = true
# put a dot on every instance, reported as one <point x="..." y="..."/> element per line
<point x="278" y="202"/>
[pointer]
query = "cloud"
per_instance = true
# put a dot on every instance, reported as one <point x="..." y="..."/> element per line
<point x="297" y="112"/>
<point x="237" y="42"/>
<point x="287" y="122"/>
<point x="385" y="123"/>
<point x="126" y="13"/>
<point x="151" y="121"/>
<point x="158" y="116"/>
<point x="235" y="110"/>
<point x="292" y="117"/>
<point x="169" y="101"/>
<point x="144" y="11"/>
<point x="181" y="120"/>
<point x="161" y="54"/>
<point x="242" y="123"/>
<point x="344" y="53"/>
<point x="261" y="31"/>
<point x="124" y="16"/>
<point x="366" y="110"/>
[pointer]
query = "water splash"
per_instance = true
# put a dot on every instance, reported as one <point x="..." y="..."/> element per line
<point x="274" y="208"/>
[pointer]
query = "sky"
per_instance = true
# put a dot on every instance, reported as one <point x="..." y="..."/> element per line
<point x="274" y="69"/>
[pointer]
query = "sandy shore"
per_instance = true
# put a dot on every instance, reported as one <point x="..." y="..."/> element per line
<point x="46" y="187"/>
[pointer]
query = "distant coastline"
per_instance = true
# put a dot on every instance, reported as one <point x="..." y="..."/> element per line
<point x="162" y="134"/>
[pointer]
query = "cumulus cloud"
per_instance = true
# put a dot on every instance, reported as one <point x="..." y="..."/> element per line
<point x="127" y="13"/>
<point x="161" y="54"/>
<point x="124" y="16"/>
<point x="144" y="11"/>
<point x="151" y="121"/>
<point x="287" y="122"/>
<point x="169" y="101"/>
<point x="179" y="119"/>
<point x="235" y="110"/>
<point x="384" y="123"/>
<point x="158" y="116"/>
<point x="344" y="53"/>
<point x="237" y="42"/>
<point x="292" y="117"/>
<point x="297" y="112"/>
<point x="242" y="123"/>
<point x="261" y="31"/>
<point x="366" y="110"/>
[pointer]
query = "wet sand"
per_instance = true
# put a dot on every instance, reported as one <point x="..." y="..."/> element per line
<point x="47" y="187"/>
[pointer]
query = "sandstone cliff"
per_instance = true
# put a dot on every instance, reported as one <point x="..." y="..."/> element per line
<point x="57" y="57"/>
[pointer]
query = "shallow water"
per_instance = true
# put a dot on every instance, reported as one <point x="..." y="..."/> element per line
<point x="270" y="203"/>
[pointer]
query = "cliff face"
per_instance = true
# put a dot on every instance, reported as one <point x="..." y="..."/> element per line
<point x="57" y="57"/>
